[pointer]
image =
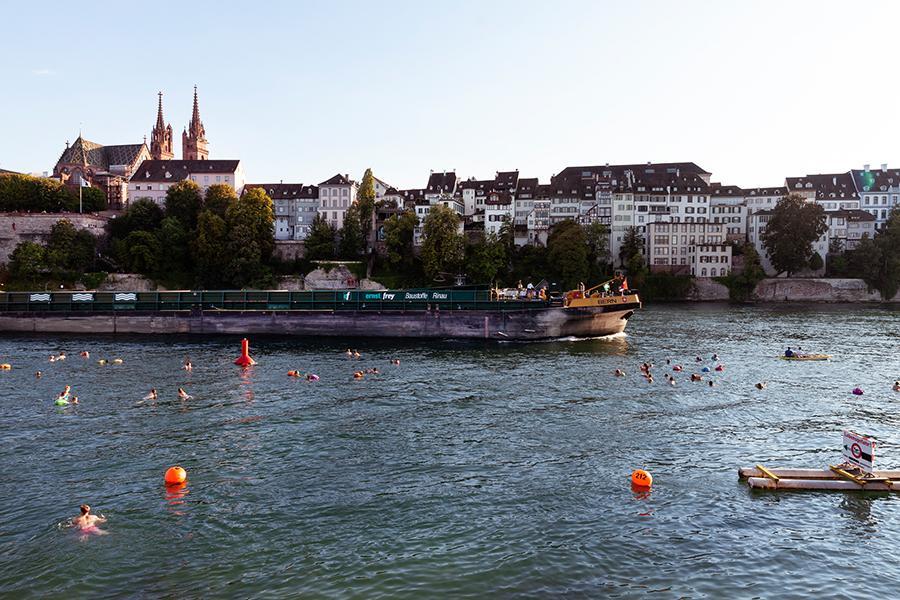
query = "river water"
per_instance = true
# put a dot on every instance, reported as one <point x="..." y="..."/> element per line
<point x="469" y="470"/>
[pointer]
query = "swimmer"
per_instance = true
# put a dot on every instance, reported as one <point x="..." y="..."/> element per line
<point x="102" y="361"/>
<point x="85" y="354"/>
<point x="65" y="392"/>
<point x="87" y="523"/>
<point x="117" y="361"/>
<point x="150" y="396"/>
<point x="672" y="381"/>
<point x="62" y="356"/>
<point x="74" y="399"/>
<point x="356" y="354"/>
<point x="715" y="357"/>
<point x="761" y="385"/>
<point x="696" y="377"/>
<point x="620" y="373"/>
<point x="711" y="384"/>
<point x="183" y="394"/>
<point x="897" y="386"/>
<point x="349" y="352"/>
<point x="358" y="375"/>
<point x="395" y="361"/>
<point x="312" y="377"/>
<point x="37" y="374"/>
<point x="187" y="365"/>
<point x="294" y="374"/>
<point x="53" y="359"/>
<point x="668" y="362"/>
<point x="649" y="380"/>
<point x="698" y="359"/>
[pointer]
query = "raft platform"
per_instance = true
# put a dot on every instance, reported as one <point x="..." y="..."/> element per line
<point x="836" y="477"/>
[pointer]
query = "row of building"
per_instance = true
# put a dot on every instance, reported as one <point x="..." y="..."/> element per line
<point x="687" y="221"/>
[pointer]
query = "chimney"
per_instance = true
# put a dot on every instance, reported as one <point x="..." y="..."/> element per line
<point x="866" y="168"/>
<point x="834" y="180"/>
<point x="884" y="167"/>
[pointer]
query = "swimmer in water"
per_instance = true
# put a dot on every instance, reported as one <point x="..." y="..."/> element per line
<point x="74" y="399"/>
<point x="711" y="384"/>
<point x="183" y="394"/>
<point x="37" y="374"/>
<point x="151" y="396"/>
<point x="897" y="386"/>
<point x="312" y="377"/>
<point x="52" y="359"/>
<point x="395" y="361"/>
<point x="620" y="373"/>
<point x="87" y="523"/>
<point x="65" y="393"/>
<point x="85" y="354"/>
<point x="761" y="385"/>
<point x="187" y="365"/>
<point x="349" y="352"/>
<point x="62" y="356"/>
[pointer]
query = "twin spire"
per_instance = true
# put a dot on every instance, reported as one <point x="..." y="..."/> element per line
<point x="194" y="145"/>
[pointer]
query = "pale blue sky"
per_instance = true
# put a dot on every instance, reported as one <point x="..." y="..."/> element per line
<point x="752" y="91"/>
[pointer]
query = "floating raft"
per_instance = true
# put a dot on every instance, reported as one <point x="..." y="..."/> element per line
<point x="807" y="357"/>
<point x="834" y="478"/>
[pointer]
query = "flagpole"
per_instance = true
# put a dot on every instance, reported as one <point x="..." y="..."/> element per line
<point x="80" y="187"/>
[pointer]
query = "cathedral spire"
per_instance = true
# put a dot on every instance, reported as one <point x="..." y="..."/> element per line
<point x="193" y="140"/>
<point x="161" y="137"/>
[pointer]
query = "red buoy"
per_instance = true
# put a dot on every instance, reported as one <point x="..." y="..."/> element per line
<point x="244" y="359"/>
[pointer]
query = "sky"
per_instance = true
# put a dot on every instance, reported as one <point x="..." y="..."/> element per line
<point x="751" y="91"/>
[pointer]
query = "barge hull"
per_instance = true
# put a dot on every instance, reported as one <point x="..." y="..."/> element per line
<point x="554" y="322"/>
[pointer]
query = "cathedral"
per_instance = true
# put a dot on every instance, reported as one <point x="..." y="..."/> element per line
<point x="193" y="139"/>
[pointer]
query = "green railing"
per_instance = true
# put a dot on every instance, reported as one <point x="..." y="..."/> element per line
<point x="260" y="300"/>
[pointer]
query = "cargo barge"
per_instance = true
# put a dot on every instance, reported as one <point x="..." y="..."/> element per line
<point x="415" y="313"/>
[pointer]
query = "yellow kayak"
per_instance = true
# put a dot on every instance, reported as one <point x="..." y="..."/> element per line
<point x="807" y="357"/>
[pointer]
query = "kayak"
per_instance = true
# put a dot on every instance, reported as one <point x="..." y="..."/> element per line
<point x="807" y="357"/>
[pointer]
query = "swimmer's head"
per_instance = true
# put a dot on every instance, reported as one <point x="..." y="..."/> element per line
<point x="85" y="509"/>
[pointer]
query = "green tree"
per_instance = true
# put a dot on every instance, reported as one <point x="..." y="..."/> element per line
<point x="184" y="202"/>
<point x="529" y="263"/>
<point x="27" y="262"/>
<point x="597" y="237"/>
<point x="567" y="253"/>
<point x="173" y="261"/>
<point x="789" y="235"/>
<point x="485" y="259"/>
<point x="352" y="240"/>
<point x="321" y="241"/>
<point x="141" y="215"/>
<point x="92" y="199"/>
<point x="399" y="235"/>
<point x="219" y="198"/>
<point x="877" y="261"/>
<point x="632" y="244"/>
<point x="142" y="252"/>
<point x="70" y="250"/>
<point x="443" y="247"/>
<point x="816" y="262"/>
<point x="742" y="285"/>
<point x="210" y="260"/>
<point x="365" y="199"/>
<point x="250" y="240"/>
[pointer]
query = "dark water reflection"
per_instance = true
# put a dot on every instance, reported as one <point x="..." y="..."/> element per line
<point x="469" y="470"/>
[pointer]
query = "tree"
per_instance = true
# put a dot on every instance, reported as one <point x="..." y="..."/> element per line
<point x="789" y="235"/>
<point x="27" y="262"/>
<point x="141" y="215"/>
<point x="816" y="262"/>
<point x="250" y="240"/>
<point x="25" y="193"/>
<point x="92" y="199"/>
<point x="399" y="235"/>
<point x="218" y="198"/>
<point x="320" y="243"/>
<point x="485" y="259"/>
<point x="174" y="246"/>
<point x="209" y="258"/>
<point x="69" y="250"/>
<point x="142" y="250"/>
<point x="352" y="240"/>
<point x="365" y="199"/>
<point x="877" y="261"/>
<point x="443" y="247"/>
<point x="567" y="253"/>
<point x="632" y="244"/>
<point x="184" y="202"/>
<point x="597" y="237"/>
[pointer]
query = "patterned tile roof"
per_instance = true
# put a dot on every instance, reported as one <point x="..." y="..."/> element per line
<point x="85" y="152"/>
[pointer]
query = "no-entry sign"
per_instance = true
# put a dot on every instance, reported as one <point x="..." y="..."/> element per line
<point x="859" y="450"/>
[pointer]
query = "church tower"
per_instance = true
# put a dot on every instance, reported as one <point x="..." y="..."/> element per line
<point x="161" y="137"/>
<point x="193" y="140"/>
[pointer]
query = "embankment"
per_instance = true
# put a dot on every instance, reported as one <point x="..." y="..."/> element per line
<point x="794" y="290"/>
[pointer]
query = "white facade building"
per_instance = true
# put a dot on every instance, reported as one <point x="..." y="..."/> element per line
<point x="152" y="179"/>
<point x="335" y="197"/>
<point x="295" y="206"/>
<point x="695" y="248"/>
<point x="879" y="191"/>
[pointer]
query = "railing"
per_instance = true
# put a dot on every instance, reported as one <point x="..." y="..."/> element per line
<point x="259" y="300"/>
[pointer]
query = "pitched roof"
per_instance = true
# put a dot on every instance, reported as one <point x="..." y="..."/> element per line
<point x="875" y="180"/>
<point x="286" y="191"/>
<point x="177" y="170"/>
<point x="851" y="215"/>
<point x="96" y="155"/>
<point x="527" y="185"/>
<point x="338" y="180"/>
<point x="766" y="191"/>
<point x="441" y="182"/>
<point x="718" y="189"/>
<point x="506" y="180"/>
<point x="827" y="186"/>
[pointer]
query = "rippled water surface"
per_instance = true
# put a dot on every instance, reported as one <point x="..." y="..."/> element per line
<point x="470" y="470"/>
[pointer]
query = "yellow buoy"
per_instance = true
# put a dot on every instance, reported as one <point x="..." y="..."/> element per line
<point x="641" y="478"/>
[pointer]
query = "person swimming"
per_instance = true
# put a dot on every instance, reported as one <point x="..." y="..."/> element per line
<point x="395" y="361"/>
<point x="74" y="399"/>
<point x="183" y="394"/>
<point x="356" y="354"/>
<point x="620" y="373"/>
<point x="897" y="386"/>
<point x="38" y="374"/>
<point x="312" y="377"/>
<point x="187" y="365"/>
<point x="87" y="523"/>
<point x="85" y="354"/>
<point x="761" y="385"/>
<point x="696" y="377"/>
<point x="150" y="396"/>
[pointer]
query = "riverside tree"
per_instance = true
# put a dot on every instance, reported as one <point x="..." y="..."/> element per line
<point x="789" y="235"/>
<point x="184" y="202"/>
<point x="399" y="234"/>
<point x="68" y="249"/>
<point x="27" y="262"/>
<point x="209" y="260"/>
<point x="250" y="240"/>
<point x="632" y="246"/>
<point x="352" y="239"/>
<point x="218" y="198"/>
<point x="486" y="259"/>
<point x="365" y="200"/>
<point x="567" y="253"/>
<point x="320" y="243"/>
<point x="877" y="261"/>
<point x="443" y="247"/>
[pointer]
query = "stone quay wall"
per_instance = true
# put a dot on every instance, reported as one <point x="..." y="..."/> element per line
<point x="35" y="227"/>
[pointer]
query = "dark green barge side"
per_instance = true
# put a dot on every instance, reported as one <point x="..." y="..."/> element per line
<point x="451" y="313"/>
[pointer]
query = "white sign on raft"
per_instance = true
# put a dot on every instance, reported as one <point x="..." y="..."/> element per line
<point x="859" y="450"/>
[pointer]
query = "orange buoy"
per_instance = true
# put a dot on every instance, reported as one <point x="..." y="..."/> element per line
<point x="244" y="359"/>
<point x="641" y="478"/>
<point x="175" y="476"/>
